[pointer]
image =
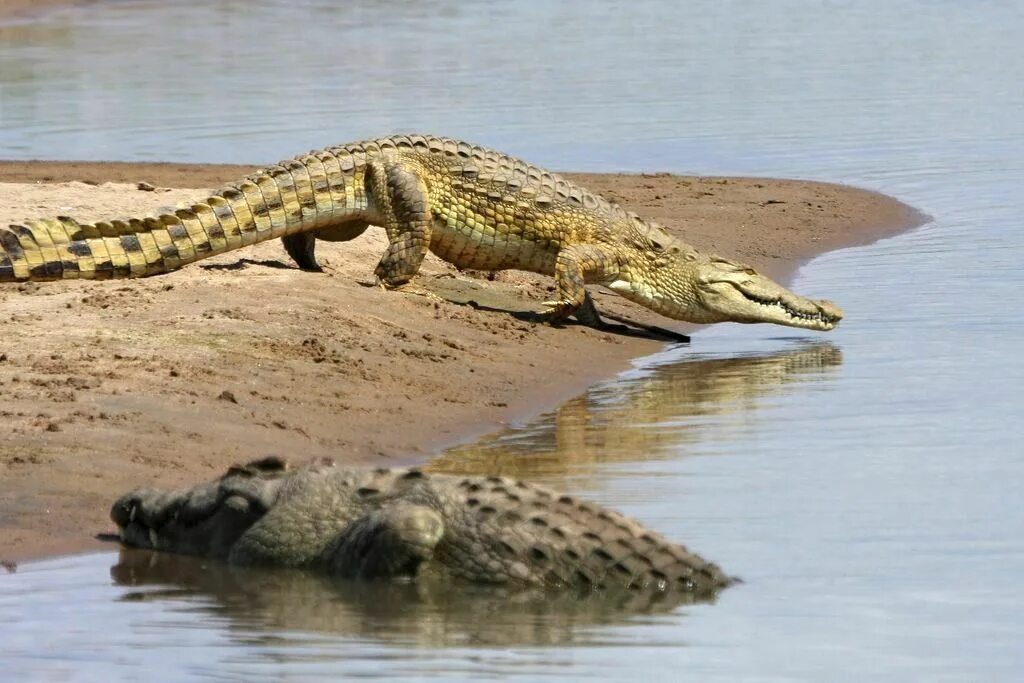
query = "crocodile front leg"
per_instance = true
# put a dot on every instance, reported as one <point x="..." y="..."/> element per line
<point x="390" y="542"/>
<point x="575" y="266"/>
<point x="400" y="196"/>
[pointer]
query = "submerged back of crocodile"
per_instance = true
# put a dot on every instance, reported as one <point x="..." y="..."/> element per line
<point x="397" y="522"/>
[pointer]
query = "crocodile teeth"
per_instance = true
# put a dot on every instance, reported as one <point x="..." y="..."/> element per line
<point x="818" y="316"/>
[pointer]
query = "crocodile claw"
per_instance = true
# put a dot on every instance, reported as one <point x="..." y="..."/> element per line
<point x="556" y="311"/>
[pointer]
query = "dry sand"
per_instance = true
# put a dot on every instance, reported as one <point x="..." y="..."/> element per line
<point x="167" y="380"/>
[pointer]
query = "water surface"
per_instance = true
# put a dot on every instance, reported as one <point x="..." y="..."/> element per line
<point x="864" y="484"/>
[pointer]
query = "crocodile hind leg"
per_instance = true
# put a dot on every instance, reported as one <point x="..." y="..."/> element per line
<point x="302" y="246"/>
<point x="401" y="200"/>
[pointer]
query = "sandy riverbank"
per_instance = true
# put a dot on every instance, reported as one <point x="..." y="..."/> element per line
<point x="167" y="380"/>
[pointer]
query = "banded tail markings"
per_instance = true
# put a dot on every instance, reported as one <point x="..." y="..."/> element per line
<point x="61" y="248"/>
<point x="335" y="179"/>
<point x="58" y="232"/>
<point x="160" y="229"/>
<point x="118" y="255"/>
<point x="19" y="269"/>
<point x="106" y="229"/>
<point x="215" y="240"/>
<point x="230" y="225"/>
<point x="120" y="227"/>
<point x="103" y="263"/>
<point x="70" y="228"/>
<point x="288" y="193"/>
<point x="136" y="258"/>
<point x="28" y="247"/>
<point x="257" y="220"/>
<point x="144" y="232"/>
<point x="56" y="229"/>
<point x="6" y="267"/>
<point x="87" y="231"/>
<point x="81" y="252"/>
<point x="181" y="235"/>
<point x="342" y="185"/>
<point x="123" y="242"/>
<point x="52" y="267"/>
<point x="305" y="196"/>
<point x="273" y="202"/>
<point x="321" y="187"/>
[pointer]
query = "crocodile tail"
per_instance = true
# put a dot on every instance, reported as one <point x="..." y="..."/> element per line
<point x="62" y="248"/>
<point x="277" y="201"/>
<point x="560" y="541"/>
<point x="606" y="549"/>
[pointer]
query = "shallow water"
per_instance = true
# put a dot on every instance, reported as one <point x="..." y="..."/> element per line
<point x="864" y="483"/>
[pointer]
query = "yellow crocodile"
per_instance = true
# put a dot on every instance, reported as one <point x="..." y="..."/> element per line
<point x="472" y="206"/>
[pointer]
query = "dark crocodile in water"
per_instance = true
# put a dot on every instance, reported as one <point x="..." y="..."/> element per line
<point x="406" y="523"/>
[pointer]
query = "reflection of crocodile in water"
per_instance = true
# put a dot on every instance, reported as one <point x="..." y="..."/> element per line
<point x="625" y="420"/>
<point x="423" y="614"/>
<point x="474" y="207"/>
<point x="405" y="523"/>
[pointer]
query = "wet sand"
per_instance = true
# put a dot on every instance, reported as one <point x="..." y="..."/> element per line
<point x="167" y="380"/>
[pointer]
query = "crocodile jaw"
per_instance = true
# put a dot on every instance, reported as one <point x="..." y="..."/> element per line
<point x="739" y="293"/>
<point x="791" y="310"/>
<point x="722" y="291"/>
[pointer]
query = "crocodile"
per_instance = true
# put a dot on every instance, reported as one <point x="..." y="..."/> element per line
<point x="472" y="206"/>
<point x="408" y="524"/>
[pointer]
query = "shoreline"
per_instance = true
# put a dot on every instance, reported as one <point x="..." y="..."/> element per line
<point x="170" y="379"/>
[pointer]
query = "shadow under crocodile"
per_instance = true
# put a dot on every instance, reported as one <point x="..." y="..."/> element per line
<point x="486" y="297"/>
<point x="422" y="614"/>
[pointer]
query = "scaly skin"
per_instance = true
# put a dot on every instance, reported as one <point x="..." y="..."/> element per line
<point x="473" y="207"/>
<point x="405" y="523"/>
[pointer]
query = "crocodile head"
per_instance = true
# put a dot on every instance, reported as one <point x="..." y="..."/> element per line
<point x="679" y="282"/>
<point x="730" y="291"/>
